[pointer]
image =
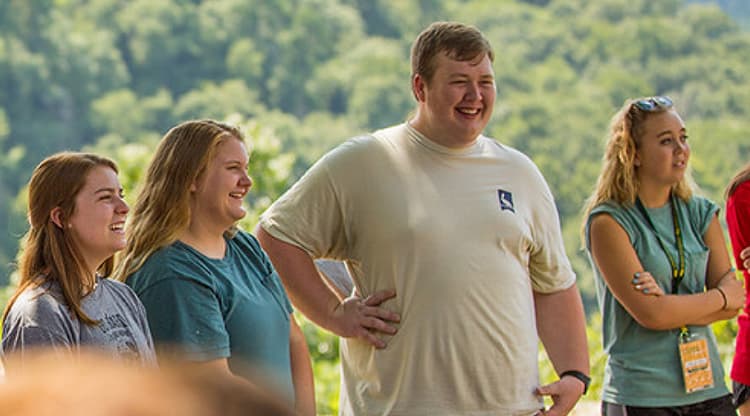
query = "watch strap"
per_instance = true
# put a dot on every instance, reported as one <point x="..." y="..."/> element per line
<point x="586" y="380"/>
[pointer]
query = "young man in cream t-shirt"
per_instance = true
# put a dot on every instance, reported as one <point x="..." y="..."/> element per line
<point x="454" y="247"/>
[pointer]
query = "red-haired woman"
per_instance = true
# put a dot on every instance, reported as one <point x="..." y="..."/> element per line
<point x="64" y="301"/>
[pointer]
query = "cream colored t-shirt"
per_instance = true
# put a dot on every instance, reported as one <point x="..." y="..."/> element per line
<point x="463" y="236"/>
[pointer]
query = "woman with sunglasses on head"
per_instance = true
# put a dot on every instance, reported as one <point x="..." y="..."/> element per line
<point x="211" y="294"/>
<point x="662" y="270"/>
<point x="738" y="223"/>
<point x="64" y="301"/>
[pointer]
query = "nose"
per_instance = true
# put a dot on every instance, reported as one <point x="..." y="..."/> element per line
<point x="473" y="91"/>
<point x="246" y="180"/>
<point x="122" y="206"/>
<point x="682" y="146"/>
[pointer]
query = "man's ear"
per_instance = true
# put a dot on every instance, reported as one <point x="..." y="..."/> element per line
<point x="56" y="216"/>
<point x="417" y="87"/>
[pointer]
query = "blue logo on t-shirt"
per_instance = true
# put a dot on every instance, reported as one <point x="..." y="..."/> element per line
<point x="506" y="200"/>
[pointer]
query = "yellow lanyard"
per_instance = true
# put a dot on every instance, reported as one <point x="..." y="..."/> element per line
<point x="678" y="271"/>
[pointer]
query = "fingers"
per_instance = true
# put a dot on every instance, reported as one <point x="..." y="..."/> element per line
<point x="365" y="318"/>
<point x="564" y="392"/>
<point x="546" y="390"/>
<point x="372" y="339"/>
<point x="745" y="256"/>
<point x="734" y="292"/>
<point x="645" y="283"/>
<point x="369" y="329"/>
<point x="379" y="297"/>
<point x="381" y="313"/>
<point x="373" y="302"/>
<point x="379" y="325"/>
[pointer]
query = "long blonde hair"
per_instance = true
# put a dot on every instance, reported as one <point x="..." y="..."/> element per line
<point x="162" y="209"/>
<point x="49" y="252"/>
<point x="618" y="181"/>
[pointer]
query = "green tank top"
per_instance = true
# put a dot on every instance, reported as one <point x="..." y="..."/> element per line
<point x="643" y="366"/>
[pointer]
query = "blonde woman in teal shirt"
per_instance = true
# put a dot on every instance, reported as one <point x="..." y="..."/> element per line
<point x="662" y="270"/>
<point x="212" y="297"/>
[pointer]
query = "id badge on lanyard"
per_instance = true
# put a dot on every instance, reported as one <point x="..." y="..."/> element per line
<point x="696" y="362"/>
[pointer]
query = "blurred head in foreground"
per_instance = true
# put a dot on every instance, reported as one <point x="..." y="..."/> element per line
<point x="94" y="385"/>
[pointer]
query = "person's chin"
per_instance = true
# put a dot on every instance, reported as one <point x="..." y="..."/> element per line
<point x="238" y="215"/>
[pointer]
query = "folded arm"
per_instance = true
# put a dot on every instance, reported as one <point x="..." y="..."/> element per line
<point x="618" y="262"/>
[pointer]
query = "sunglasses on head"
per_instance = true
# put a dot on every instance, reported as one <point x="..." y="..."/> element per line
<point x="653" y="103"/>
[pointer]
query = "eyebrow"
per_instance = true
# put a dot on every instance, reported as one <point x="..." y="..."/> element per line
<point x="682" y="130"/>
<point x="463" y="75"/>
<point x="111" y="190"/>
<point x="236" y="162"/>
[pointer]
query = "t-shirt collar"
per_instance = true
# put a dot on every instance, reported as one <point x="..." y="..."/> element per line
<point x="434" y="146"/>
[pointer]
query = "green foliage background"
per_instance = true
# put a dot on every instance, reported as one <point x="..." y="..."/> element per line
<point x="301" y="76"/>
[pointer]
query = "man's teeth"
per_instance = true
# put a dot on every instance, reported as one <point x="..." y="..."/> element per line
<point x="236" y="194"/>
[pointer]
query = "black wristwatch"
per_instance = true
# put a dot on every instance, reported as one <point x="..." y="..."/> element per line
<point x="586" y="380"/>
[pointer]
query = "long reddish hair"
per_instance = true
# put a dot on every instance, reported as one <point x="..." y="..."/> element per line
<point x="49" y="252"/>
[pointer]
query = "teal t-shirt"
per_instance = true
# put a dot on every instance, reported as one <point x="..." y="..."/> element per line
<point x="203" y="309"/>
<point x="643" y="367"/>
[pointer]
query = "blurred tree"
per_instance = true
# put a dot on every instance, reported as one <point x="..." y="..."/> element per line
<point x="213" y="100"/>
<point x="319" y="31"/>
<point x="162" y="48"/>
<point x="245" y="61"/>
<point x="373" y="76"/>
<point x="152" y="113"/>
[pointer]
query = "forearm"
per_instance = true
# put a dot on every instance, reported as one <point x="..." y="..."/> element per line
<point x="302" y="374"/>
<point x="354" y="316"/>
<point x="720" y="315"/>
<point x="306" y="288"/>
<point x="692" y="309"/>
<point x="561" y="326"/>
<point x="715" y="317"/>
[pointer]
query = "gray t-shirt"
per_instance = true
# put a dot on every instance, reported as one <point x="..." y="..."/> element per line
<point x="40" y="317"/>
